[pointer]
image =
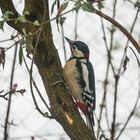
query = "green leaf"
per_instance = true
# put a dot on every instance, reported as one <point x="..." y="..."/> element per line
<point x="2" y="25"/>
<point x="23" y="42"/>
<point x="100" y="5"/>
<point x="36" y="23"/>
<point x="2" y="57"/>
<point x="77" y="5"/>
<point x="52" y="8"/>
<point x="21" y="19"/>
<point x="26" y="13"/>
<point x="86" y="6"/>
<point x="20" y="55"/>
<point x="62" y="20"/>
<point x="62" y="8"/>
<point x="24" y="31"/>
<point x="46" y="114"/>
<point x="6" y="15"/>
<point x="137" y="4"/>
<point x="112" y="29"/>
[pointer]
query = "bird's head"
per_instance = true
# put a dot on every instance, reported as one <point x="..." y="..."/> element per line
<point x="78" y="49"/>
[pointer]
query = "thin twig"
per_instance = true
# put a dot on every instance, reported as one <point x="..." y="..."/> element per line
<point x="135" y="56"/>
<point x="109" y="63"/>
<point x="130" y="115"/>
<point x="122" y="29"/>
<point x="76" y="23"/>
<point x="34" y="53"/>
<point x="112" y="30"/>
<point x="126" y="46"/>
<point x="11" y="92"/>
<point x="114" y="22"/>
<point x="63" y="42"/>
<point x="10" y="97"/>
<point x="12" y="37"/>
<point x="31" y="69"/>
<point x="113" y="126"/>
<point x="106" y="79"/>
<point x="35" y="85"/>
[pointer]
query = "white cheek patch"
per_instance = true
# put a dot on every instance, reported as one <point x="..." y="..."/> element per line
<point x="77" y="53"/>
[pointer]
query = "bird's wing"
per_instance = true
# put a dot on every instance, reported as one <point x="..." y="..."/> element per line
<point x="86" y="79"/>
<point x="92" y="82"/>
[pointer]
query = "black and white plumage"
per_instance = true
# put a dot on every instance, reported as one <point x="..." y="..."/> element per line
<point x="79" y="76"/>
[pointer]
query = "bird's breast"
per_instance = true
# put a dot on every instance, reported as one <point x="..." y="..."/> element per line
<point x="71" y="76"/>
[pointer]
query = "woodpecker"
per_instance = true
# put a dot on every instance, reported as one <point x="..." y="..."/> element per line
<point x="79" y="76"/>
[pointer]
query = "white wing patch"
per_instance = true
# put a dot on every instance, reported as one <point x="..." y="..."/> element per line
<point x="85" y="75"/>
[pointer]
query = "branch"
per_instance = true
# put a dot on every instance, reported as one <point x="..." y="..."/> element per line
<point x="62" y="106"/>
<point x="10" y="97"/>
<point x="34" y="83"/>
<point x="115" y="23"/>
<point x="129" y="117"/>
<point x="111" y="20"/>
<point x="8" y="6"/>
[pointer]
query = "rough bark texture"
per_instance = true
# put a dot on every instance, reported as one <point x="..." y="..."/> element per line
<point x="63" y="109"/>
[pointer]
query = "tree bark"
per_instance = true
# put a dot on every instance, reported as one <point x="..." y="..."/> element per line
<point x="62" y="106"/>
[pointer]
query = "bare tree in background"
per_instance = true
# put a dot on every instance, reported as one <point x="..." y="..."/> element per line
<point x="33" y="30"/>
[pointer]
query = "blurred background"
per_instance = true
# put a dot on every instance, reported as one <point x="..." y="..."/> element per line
<point x="28" y="124"/>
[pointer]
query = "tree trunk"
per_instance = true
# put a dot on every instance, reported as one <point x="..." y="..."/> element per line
<point x="62" y="106"/>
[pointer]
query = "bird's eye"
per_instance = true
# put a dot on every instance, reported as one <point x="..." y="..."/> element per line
<point x="74" y="47"/>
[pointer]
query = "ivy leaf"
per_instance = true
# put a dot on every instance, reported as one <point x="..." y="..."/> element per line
<point x="20" y="55"/>
<point x="86" y="6"/>
<point x="125" y="62"/>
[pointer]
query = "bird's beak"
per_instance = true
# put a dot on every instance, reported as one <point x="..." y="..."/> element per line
<point x="69" y="41"/>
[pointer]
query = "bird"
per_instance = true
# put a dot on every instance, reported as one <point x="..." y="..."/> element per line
<point x="79" y="76"/>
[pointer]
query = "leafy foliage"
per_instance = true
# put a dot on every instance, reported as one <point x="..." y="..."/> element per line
<point x="100" y="5"/>
<point x="20" y="55"/>
<point x="22" y="17"/>
<point x="53" y="5"/>
<point x="5" y="18"/>
<point x="86" y="6"/>
<point x="36" y="23"/>
<point x="77" y="5"/>
<point x="2" y="57"/>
